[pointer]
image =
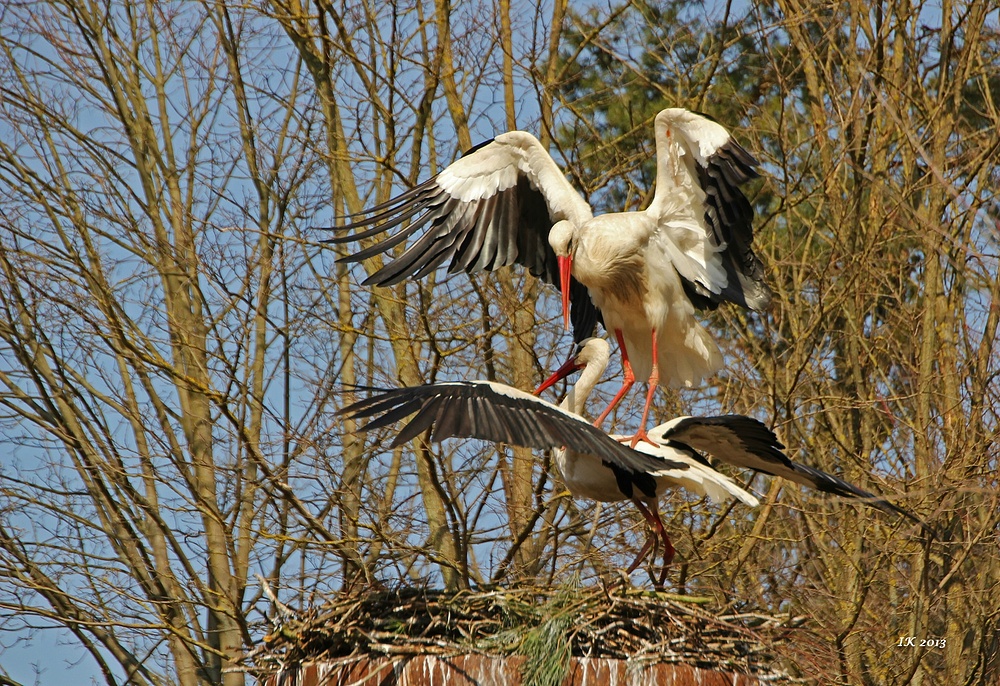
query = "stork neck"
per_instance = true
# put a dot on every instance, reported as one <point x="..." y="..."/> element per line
<point x="576" y="399"/>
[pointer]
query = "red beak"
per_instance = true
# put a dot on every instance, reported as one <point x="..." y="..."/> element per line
<point x="565" y="271"/>
<point x="570" y="366"/>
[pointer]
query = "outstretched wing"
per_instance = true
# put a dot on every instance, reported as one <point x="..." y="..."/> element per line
<point x="490" y="208"/>
<point x="705" y="222"/>
<point x="733" y="438"/>
<point x="745" y="442"/>
<point x="497" y="412"/>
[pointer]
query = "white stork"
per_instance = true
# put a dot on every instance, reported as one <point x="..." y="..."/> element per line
<point x="594" y="465"/>
<point x="506" y="201"/>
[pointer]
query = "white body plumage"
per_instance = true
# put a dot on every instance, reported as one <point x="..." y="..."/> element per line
<point x="507" y="202"/>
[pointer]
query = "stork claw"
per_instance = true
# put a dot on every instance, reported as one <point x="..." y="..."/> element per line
<point x="638" y="436"/>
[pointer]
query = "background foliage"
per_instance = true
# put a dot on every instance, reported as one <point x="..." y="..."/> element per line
<point x="174" y="341"/>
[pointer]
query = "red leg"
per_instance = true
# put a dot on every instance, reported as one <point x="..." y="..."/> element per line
<point x="654" y="380"/>
<point x="668" y="547"/>
<point x="626" y="385"/>
<point x="652" y="516"/>
<point x="650" y="540"/>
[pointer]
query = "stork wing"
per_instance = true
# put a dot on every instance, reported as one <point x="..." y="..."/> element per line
<point x="490" y="208"/>
<point x="496" y="412"/>
<point x="733" y="438"/>
<point x="745" y="442"/>
<point x="705" y="222"/>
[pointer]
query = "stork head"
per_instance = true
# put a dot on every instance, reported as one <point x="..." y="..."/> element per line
<point x="589" y="351"/>
<point x="561" y="241"/>
<point x="594" y="351"/>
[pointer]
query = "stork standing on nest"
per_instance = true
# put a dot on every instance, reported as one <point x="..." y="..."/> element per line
<point x="506" y="201"/>
<point x="592" y="464"/>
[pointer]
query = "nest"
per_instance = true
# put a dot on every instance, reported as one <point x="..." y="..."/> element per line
<point x="547" y="626"/>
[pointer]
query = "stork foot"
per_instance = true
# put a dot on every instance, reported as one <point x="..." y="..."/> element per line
<point x="635" y="438"/>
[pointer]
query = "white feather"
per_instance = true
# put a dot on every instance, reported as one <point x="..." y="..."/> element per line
<point x="496" y="167"/>
<point x="479" y="176"/>
<point x="632" y="263"/>
<point x="700" y="136"/>
<point x="697" y="477"/>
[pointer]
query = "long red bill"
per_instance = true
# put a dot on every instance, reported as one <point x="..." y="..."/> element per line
<point x="570" y="366"/>
<point x="565" y="271"/>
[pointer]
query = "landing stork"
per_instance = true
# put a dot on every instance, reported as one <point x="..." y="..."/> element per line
<point x="506" y="201"/>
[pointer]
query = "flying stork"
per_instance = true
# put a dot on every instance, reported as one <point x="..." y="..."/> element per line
<point x="506" y="201"/>
<point x="594" y="465"/>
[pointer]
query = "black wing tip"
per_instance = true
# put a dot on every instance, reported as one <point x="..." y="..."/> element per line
<point x="733" y="158"/>
<point x="749" y="292"/>
<point x="335" y="229"/>
<point x="834" y="485"/>
<point x="729" y="214"/>
<point x="584" y="315"/>
<point x="763" y="441"/>
<point x="757" y="296"/>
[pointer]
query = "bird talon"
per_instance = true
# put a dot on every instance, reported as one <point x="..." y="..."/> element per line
<point x="643" y="437"/>
<point x="634" y="439"/>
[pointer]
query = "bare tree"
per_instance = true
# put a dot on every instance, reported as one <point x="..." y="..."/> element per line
<point x="170" y="364"/>
<point x="175" y="341"/>
<point x="142" y="201"/>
